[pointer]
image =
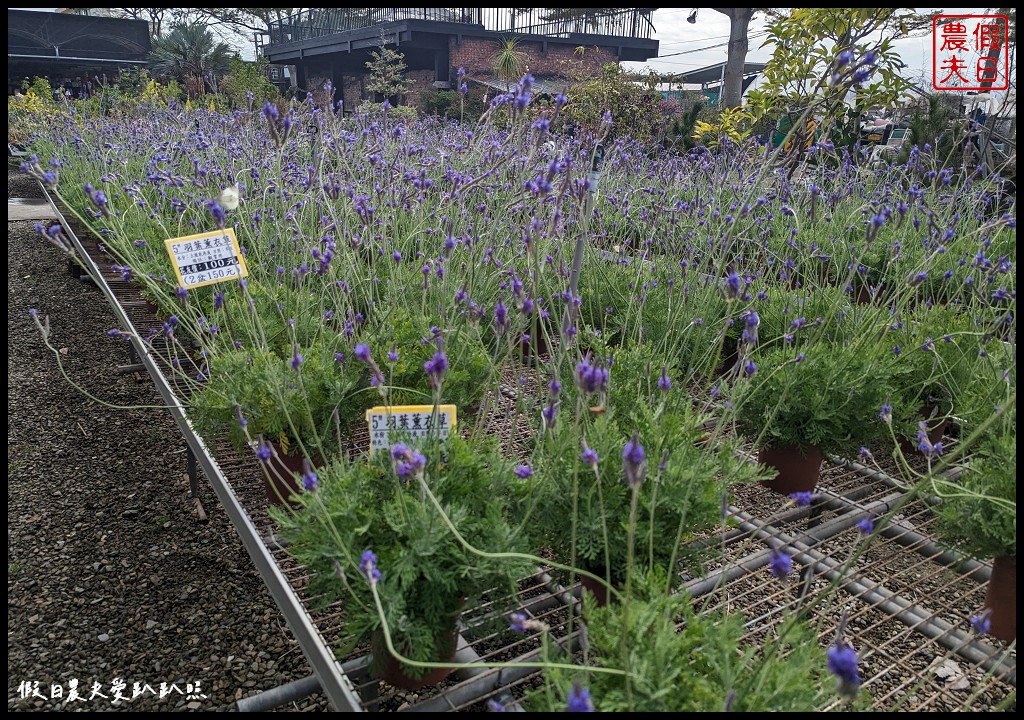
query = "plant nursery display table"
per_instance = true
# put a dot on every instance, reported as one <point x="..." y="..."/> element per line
<point x="908" y="600"/>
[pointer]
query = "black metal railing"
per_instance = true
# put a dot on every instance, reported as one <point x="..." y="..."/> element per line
<point x="313" y="23"/>
<point x="635" y="23"/>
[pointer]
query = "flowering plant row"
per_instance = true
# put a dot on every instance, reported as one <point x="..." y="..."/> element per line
<point x="639" y="314"/>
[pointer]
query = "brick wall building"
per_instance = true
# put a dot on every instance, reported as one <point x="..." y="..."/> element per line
<point x="336" y="43"/>
<point x="476" y="55"/>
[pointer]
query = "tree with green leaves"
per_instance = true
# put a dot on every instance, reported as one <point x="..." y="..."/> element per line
<point x="243" y="22"/>
<point x="248" y="77"/>
<point x="387" y="73"/>
<point x="191" y="55"/>
<point x="814" y="46"/>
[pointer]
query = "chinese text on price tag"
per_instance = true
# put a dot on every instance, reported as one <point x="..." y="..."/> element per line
<point x="206" y="258"/>
<point x="418" y="421"/>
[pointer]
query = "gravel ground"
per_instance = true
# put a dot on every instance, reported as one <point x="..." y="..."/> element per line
<point x="109" y="576"/>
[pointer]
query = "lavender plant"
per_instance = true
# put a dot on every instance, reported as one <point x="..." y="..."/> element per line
<point x="397" y="261"/>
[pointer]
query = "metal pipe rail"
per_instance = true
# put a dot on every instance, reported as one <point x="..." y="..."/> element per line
<point x="335" y="684"/>
<point x="976" y="651"/>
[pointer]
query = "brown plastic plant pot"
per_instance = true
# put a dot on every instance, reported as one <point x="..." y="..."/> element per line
<point x="283" y="477"/>
<point x="798" y="472"/>
<point x="390" y="670"/>
<point x="1001" y="599"/>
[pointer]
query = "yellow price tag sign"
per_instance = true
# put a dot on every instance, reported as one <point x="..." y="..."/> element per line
<point x="207" y="258"/>
<point x="417" y="421"/>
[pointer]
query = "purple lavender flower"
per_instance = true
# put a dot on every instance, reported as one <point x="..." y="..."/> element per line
<point x="309" y="479"/>
<point x="550" y="414"/>
<point x="591" y="378"/>
<point x="866" y="525"/>
<point x="435" y="368"/>
<point x="589" y="456"/>
<point x="886" y="414"/>
<point x="492" y="704"/>
<point x="400" y="451"/>
<point x="982" y="623"/>
<point x="579" y="699"/>
<point x="519" y="622"/>
<point x="410" y="462"/>
<point x="362" y="352"/>
<point x="865" y="455"/>
<point x="241" y="418"/>
<point x="924" y="444"/>
<point x="393" y="354"/>
<point x="844" y="58"/>
<point x="523" y="471"/>
<point x="263" y="452"/>
<point x="801" y="499"/>
<point x="861" y="75"/>
<point x="780" y="564"/>
<point x="296" y="360"/>
<point x="842" y="662"/>
<point x="218" y="214"/>
<point x="749" y="368"/>
<point x="501" y="317"/>
<point x="750" y="325"/>
<point x="732" y="286"/>
<point x="368" y="567"/>
<point x="633" y="461"/>
<point x="664" y="381"/>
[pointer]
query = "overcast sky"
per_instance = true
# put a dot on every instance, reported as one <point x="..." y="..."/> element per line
<point x="686" y="47"/>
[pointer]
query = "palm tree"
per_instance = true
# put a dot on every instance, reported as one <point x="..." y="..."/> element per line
<point x="191" y="55"/>
<point x="508" y="60"/>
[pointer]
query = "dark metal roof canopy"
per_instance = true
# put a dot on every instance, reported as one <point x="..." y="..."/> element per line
<point x="714" y="73"/>
<point x="75" y="38"/>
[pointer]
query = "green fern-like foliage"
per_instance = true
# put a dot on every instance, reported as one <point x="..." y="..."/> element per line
<point x="678" y="660"/>
<point x="979" y="514"/>
<point x="301" y="408"/>
<point x="583" y="513"/>
<point x="410" y="334"/>
<point x="427" y="574"/>
<point x="830" y="398"/>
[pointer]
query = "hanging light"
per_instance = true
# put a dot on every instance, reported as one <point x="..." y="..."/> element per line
<point x="693" y="18"/>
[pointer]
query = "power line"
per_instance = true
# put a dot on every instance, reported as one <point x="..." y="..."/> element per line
<point x="709" y="47"/>
<point x="683" y="42"/>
